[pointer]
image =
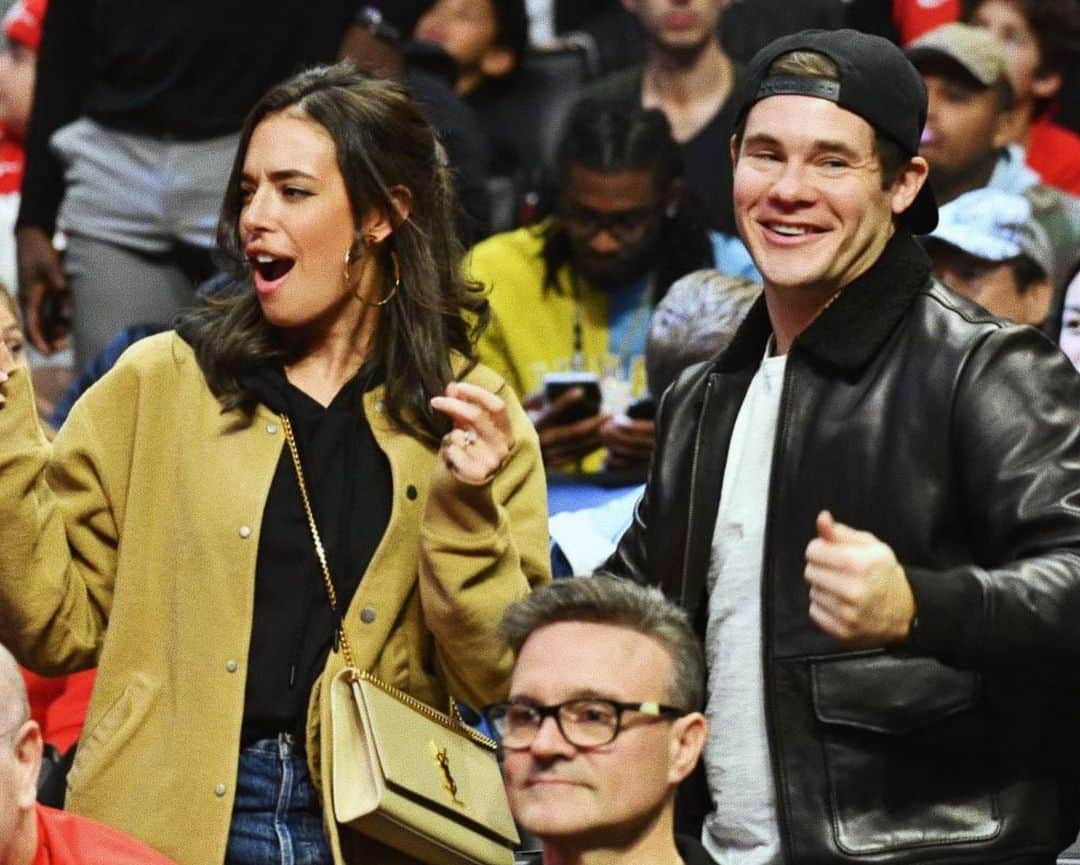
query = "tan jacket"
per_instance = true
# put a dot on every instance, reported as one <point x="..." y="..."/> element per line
<point x="144" y="515"/>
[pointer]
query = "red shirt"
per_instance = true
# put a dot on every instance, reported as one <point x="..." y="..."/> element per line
<point x="12" y="160"/>
<point x="1054" y="152"/>
<point x="66" y="839"/>
<point x="59" y="705"/>
<point x="913" y="18"/>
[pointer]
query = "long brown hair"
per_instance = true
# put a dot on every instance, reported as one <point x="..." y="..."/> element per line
<point x="382" y="140"/>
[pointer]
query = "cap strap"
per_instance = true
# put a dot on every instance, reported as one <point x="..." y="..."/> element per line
<point x="796" y="85"/>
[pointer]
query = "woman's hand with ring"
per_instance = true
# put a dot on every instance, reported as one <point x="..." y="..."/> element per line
<point x="478" y="445"/>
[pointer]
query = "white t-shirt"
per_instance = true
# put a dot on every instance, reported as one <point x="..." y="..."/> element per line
<point x="743" y="827"/>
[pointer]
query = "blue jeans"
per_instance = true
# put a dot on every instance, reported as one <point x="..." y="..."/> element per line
<point x="277" y="816"/>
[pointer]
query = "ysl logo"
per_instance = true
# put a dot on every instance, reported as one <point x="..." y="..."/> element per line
<point x="442" y="760"/>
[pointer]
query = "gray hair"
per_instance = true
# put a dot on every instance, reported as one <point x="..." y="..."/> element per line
<point x="14" y="704"/>
<point x="695" y="320"/>
<point x="607" y="599"/>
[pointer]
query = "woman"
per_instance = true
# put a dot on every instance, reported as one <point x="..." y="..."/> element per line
<point x="164" y="536"/>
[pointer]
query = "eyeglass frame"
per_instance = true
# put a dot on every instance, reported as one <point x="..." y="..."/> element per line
<point x="626" y="226"/>
<point x="652" y="708"/>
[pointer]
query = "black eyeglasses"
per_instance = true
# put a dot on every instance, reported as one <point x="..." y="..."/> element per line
<point x="625" y="225"/>
<point x="584" y="723"/>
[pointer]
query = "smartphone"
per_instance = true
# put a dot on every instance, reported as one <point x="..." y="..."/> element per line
<point x="558" y="383"/>
<point x="642" y="409"/>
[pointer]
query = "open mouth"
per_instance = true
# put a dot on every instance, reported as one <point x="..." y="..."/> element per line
<point x="270" y="268"/>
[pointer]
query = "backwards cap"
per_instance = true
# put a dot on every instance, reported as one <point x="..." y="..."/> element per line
<point x="876" y="82"/>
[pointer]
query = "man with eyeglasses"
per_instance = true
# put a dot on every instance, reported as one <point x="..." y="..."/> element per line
<point x="575" y="292"/>
<point x="31" y="834"/>
<point x="602" y="722"/>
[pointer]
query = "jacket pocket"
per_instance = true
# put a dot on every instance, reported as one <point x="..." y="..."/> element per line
<point x="906" y="753"/>
<point x="100" y="744"/>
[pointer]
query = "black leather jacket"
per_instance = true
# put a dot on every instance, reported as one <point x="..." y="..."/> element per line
<point x="913" y="414"/>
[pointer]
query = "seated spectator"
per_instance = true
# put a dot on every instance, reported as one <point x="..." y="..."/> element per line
<point x="988" y="247"/>
<point x="688" y="76"/>
<point x="603" y="721"/>
<point x="1069" y="338"/>
<point x="696" y="319"/>
<point x="486" y="39"/>
<point x="22" y="27"/>
<point x="33" y="834"/>
<point x="575" y="292"/>
<point x="967" y="129"/>
<point x="11" y="331"/>
<point x="1037" y="39"/>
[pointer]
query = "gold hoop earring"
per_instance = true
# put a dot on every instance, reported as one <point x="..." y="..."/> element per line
<point x="397" y="281"/>
<point x="348" y="264"/>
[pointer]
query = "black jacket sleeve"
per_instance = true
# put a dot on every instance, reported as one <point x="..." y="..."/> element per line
<point x="65" y="67"/>
<point x="1017" y="450"/>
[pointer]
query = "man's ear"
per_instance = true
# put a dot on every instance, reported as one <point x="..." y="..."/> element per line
<point x="909" y="181"/>
<point x="28" y="746"/>
<point x="497" y="62"/>
<point x="379" y="222"/>
<point x="688" y="735"/>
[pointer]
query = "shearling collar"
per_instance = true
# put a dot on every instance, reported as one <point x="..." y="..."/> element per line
<point x="849" y="331"/>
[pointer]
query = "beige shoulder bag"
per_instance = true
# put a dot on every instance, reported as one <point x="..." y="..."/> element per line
<point x="403" y="773"/>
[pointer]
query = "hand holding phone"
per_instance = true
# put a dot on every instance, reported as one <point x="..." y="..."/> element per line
<point x="572" y="396"/>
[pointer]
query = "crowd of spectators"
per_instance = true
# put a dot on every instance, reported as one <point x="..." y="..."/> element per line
<point x="584" y="154"/>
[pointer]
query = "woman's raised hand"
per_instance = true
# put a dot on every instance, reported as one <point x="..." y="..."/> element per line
<point x="478" y="445"/>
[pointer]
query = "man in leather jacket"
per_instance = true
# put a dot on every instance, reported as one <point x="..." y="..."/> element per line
<point x="870" y="506"/>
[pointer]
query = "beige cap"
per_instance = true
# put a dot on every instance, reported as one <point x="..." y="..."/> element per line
<point x="974" y="48"/>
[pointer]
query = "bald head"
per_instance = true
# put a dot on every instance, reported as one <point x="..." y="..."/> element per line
<point x="14" y="706"/>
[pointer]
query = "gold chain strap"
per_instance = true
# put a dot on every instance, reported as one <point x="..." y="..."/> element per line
<point x="331" y="594"/>
<point x="453" y="721"/>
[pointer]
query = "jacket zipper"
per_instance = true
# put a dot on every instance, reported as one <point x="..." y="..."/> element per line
<point x="693" y="494"/>
<point x="766" y="585"/>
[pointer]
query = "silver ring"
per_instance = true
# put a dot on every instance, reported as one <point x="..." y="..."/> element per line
<point x="470" y="437"/>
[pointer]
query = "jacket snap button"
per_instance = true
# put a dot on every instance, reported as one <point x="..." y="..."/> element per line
<point x="367" y="615"/>
<point x="231" y="665"/>
<point x="219" y="790"/>
<point x="410" y="493"/>
<point x="244" y="531"/>
<point x="271" y="428"/>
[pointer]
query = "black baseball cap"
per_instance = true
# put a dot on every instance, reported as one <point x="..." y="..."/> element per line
<point x="877" y="82"/>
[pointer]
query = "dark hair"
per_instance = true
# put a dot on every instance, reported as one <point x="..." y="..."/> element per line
<point x="511" y="26"/>
<point x="611" y="137"/>
<point x="609" y="600"/>
<point x="813" y="64"/>
<point x="382" y="140"/>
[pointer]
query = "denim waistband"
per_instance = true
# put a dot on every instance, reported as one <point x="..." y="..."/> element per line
<point x="283" y="745"/>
